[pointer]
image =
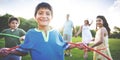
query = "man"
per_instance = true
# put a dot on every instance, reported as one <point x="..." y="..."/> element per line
<point x="67" y="33"/>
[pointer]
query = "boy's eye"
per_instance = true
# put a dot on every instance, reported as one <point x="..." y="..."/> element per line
<point x="98" y="20"/>
<point x="47" y="13"/>
<point x="13" y="23"/>
<point x="16" y="23"/>
<point x="40" y="13"/>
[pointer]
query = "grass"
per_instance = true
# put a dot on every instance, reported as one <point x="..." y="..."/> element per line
<point x="78" y="54"/>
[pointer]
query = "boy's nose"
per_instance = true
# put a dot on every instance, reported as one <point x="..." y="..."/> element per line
<point x="44" y="15"/>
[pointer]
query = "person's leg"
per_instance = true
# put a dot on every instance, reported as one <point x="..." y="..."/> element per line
<point x="85" y="55"/>
<point x="65" y="39"/>
<point x="94" y="56"/>
<point x="69" y="38"/>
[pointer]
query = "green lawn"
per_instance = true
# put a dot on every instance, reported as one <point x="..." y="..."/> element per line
<point x="78" y="54"/>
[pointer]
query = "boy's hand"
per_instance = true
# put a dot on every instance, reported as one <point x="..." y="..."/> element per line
<point x="4" y="52"/>
<point x="89" y="49"/>
<point x="81" y="47"/>
<point x="72" y="46"/>
<point x="22" y="38"/>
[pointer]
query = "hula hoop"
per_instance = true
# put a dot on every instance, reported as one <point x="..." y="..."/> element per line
<point x="14" y="36"/>
<point x="81" y="44"/>
<point x="86" y="47"/>
<point x="9" y="35"/>
<point x="10" y="49"/>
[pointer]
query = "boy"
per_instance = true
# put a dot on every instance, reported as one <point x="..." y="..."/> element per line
<point x="13" y="23"/>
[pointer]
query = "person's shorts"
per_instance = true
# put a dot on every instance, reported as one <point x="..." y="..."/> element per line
<point x="67" y="38"/>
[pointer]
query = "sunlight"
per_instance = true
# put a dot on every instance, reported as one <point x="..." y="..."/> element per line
<point x="79" y="10"/>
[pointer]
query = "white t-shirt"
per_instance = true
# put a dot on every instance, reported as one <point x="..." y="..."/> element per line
<point x="68" y="25"/>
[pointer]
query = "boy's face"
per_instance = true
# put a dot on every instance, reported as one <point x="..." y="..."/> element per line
<point x="13" y="24"/>
<point x="43" y="17"/>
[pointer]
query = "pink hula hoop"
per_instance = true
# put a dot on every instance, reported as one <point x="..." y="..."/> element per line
<point x="86" y="47"/>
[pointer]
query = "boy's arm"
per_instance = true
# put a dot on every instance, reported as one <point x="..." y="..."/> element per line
<point x="19" y="51"/>
<point x="22" y="38"/>
<point x="74" y="31"/>
<point x="75" y="45"/>
<point x="7" y="51"/>
<point x="71" y="46"/>
<point x="22" y="34"/>
<point x="91" y="23"/>
<point x="1" y="34"/>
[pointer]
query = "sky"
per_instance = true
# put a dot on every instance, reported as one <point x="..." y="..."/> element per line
<point x="79" y="10"/>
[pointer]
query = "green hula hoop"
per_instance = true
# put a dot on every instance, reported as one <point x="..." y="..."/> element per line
<point x="9" y="35"/>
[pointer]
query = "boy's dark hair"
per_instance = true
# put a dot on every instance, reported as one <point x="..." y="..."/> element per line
<point x="13" y="19"/>
<point x="105" y="23"/>
<point x="43" y="5"/>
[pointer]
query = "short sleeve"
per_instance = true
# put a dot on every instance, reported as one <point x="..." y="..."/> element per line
<point x="22" y="32"/>
<point x="28" y="43"/>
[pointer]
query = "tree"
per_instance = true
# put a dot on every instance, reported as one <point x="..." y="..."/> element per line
<point x="93" y="32"/>
<point x="117" y="29"/>
<point x="116" y="33"/>
<point x="24" y="23"/>
<point x="4" y="21"/>
<point x="27" y="24"/>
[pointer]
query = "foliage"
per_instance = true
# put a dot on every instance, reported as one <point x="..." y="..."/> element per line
<point x="27" y="24"/>
<point x="4" y="21"/>
<point x="93" y="32"/>
<point x="24" y="23"/>
<point x="116" y="33"/>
